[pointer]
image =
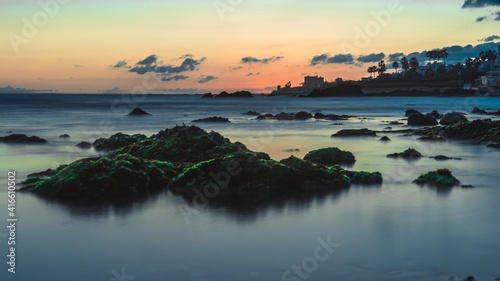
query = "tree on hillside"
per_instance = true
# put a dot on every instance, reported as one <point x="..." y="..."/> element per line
<point x="477" y="63"/>
<point x="414" y="65"/>
<point x="395" y="65"/>
<point x="491" y="56"/>
<point x="381" y="67"/>
<point x="405" y="65"/>
<point x="371" y="70"/>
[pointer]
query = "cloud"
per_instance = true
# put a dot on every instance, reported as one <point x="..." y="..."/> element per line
<point x="371" y="57"/>
<point x="78" y="65"/>
<point x="489" y="38"/>
<point x="150" y="64"/>
<point x="121" y="64"/>
<point x="149" y="60"/>
<point x="480" y="3"/>
<point x="255" y="60"/>
<point x="347" y="58"/>
<point x="175" y="78"/>
<point x="327" y="59"/>
<point x="236" y="68"/>
<point x="205" y="79"/>
<point x="12" y="90"/>
<point x="185" y="56"/>
<point x="395" y="56"/>
<point x="252" y="74"/>
<point x="320" y="59"/>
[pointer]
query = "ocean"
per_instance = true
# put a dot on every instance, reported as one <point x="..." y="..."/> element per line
<point x="393" y="231"/>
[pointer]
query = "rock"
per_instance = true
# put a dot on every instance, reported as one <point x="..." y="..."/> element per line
<point x="183" y="144"/>
<point x="116" y="141"/>
<point x="291" y="150"/>
<point x="341" y="89"/>
<point x="239" y="94"/>
<point x="84" y="145"/>
<point x="138" y="112"/>
<point x="105" y="179"/>
<point x="354" y="133"/>
<point x="432" y="137"/>
<point x="207" y="95"/>
<point x="337" y="124"/>
<point x="319" y="115"/>
<point x="252" y="113"/>
<point x="388" y="128"/>
<point x="65" y="136"/>
<point x="494" y="145"/>
<point x="260" y="179"/>
<point x="452" y="118"/>
<point x="385" y="138"/>
<point x="435" y="114"/>
<point x="213" y="119"/>
<point x="395" y="123"/>
<point x="411" y="111"/>
<point x="410" y="154"/>
<point x="418" y="119"/>
<point x="478" y="111"/>
<point x="479" y="130"/>
<point x="330" y="156"/>
<point x="303" y="115"/>
<point x="466" y="186"/>
<point x="21" y="138"/>
<point x="470" y="278"/>
<point x="443" y="158"/>
<point x="440" y="178"/>
<point x="364" y="178"/>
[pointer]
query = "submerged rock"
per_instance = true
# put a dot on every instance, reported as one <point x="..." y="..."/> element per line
<point x="411" y="111"/>
<point x="84" y="145"/>
<point x="65" y="136"/>
<point x="252" y="113"/>
<point x="385" y="138"/>
<point x="104" y="179"/>
<point x="355" y="133"/>
<point x="116" y="141"/>
<point x="479" y="130"/>
<point x="443" y="158"/>
<point x="21" y="138"/>
<point x="410" y="153"/>
<point x="138" y="111"/>
<point x="213" y="119"/>
<point x="330" y="156"/>
<point x="418" y="119"/>
<point x="452" y="118"/>
<point x="440" y="178"/>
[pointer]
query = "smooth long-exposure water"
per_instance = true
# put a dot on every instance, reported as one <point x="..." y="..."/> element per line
<point x="394" y="231"/>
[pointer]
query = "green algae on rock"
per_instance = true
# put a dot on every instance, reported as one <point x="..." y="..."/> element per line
<point x="410" y="153"/>
<point x="251" y="177"/>
<point x="440" y="178"/>
<point x="183" y="144"/>
<point x="116" y="141"/>
<point x="330" y="156"/>
<point x="103" y="179"/>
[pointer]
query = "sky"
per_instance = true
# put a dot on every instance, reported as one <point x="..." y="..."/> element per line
<point x="198" y="46"/>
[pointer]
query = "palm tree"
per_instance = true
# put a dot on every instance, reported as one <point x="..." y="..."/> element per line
<point x="404" y="64"/>
<point x="444" y="55"/>
<point x="395" y="65"/>
<point x="371" y="70"/>
<point x="414" y="65"/>
<point x="477" y="63"/>
<point x="381" y="67"/>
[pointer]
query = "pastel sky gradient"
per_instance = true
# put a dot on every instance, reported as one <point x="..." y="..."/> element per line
<point x="77" y="45"/>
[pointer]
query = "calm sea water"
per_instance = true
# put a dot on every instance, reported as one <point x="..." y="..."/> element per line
<point x="395" y="231"/>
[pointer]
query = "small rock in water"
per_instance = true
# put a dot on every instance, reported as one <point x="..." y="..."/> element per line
<point x="21" y="138"/>
<point x="291" y="150"/>
<point x="385" y="138"/>
<point x="411" y="111"/>
<point x="355" y="133"/>
<point x="388" y="128"/>
<point x="84" y="145"/>
<point x="470" y="278"/>
<point x="452" y="118"/>
<point x="467" y="186"/>
<point x="213" y="119"/>
<point x="138" y="111"/>
<point x="65" y="136"/>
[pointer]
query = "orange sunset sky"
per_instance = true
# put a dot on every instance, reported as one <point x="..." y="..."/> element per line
<point x="196" y="46"/>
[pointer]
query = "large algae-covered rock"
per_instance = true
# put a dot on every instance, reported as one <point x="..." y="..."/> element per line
<point x="330" y="156"/>
<point x="250" y="177"/>
<point x="480" y="130"/>
<point x="440" y="178"/>
<point x="183" y="144"/>
<point x="103" y="179"/>
<point x="116" y="141"/>
<point x="410" y="153"/>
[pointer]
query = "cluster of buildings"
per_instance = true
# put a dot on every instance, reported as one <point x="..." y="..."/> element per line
<point x="310" y="84"/>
